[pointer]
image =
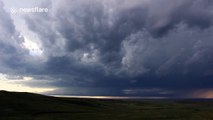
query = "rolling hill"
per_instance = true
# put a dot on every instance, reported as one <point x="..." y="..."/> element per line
<point x="29" y="106"/>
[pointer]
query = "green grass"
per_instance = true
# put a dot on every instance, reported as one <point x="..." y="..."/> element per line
<point x="27" y="106"/>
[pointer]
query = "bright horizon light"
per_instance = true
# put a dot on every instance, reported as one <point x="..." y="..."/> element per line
<point x="20" y="86"/>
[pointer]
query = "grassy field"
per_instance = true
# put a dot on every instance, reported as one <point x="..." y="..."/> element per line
<point x="27" y="106"/>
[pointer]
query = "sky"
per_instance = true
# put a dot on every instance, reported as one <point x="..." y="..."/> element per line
<point x="146" y="48"/>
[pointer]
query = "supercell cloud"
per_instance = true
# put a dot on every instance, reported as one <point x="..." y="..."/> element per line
<point x="113" y="47"/>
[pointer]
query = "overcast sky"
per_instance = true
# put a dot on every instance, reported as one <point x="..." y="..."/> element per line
<point x="148" y="48"/>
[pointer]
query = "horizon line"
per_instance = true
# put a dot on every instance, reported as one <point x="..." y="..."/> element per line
<point x="124" y="97"/>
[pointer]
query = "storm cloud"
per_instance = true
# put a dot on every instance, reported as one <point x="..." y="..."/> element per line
<point x="10" y="48"/>
<point x="113" y="47"/>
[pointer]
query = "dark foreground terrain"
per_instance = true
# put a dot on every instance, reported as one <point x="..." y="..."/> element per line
<point x="27" y="106"/>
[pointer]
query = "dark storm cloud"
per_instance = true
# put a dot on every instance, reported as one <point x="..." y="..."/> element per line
<point x="164" y="15"/>
<point x="10" y="50"/>
<point x="14" y="58"/>
<point x="139" y="47"/>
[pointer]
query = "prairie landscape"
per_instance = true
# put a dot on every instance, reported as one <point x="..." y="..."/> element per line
<point x="91" y="59"/>
<point x="28" y="106"/>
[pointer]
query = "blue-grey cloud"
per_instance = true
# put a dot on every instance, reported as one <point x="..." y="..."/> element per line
<point x="150" y="48"/>
<point x="10" y="49"/>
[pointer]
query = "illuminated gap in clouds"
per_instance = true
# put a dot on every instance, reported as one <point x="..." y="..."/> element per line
<point x="33" y="47"/>
<point x="19" y="85"/>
